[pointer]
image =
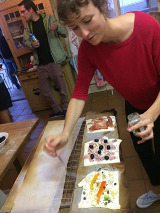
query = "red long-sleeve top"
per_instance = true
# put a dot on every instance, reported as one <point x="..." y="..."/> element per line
<point x="132" y="67"/>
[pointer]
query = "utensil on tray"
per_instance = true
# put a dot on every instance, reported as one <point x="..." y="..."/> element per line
<point x="71" y="174"/>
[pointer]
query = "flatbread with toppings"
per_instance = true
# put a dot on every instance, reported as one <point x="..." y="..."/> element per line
<point x="103" y="123"/>
<point x="101" y="151"/>
<point x="100" y="189"/>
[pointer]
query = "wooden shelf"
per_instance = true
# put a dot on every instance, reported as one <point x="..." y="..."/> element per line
<point x="13" y="21"/>
<point x="22" y="51"/>
<point x="16" y="37"/>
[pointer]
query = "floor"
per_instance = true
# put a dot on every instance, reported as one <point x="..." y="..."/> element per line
<point x="138" y="183"/>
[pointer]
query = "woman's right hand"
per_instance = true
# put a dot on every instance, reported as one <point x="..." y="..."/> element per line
<point x="54" y="143"/>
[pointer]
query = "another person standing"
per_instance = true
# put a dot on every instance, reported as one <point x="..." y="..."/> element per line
<point x="8" y="60"/>
<point x="5" y="103"/>
<point x="126" y="50"/>
<point x="48" y="53"/>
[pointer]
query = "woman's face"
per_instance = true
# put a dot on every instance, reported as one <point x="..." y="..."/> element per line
<point x="90" y="25"/>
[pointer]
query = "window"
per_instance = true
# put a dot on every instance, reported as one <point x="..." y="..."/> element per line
<point x="138" y="5"/>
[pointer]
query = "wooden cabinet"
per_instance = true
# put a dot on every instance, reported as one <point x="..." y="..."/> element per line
<point x="29" y="83"/>
<point x="13" y="24"/>
<point x="14" y="27"/>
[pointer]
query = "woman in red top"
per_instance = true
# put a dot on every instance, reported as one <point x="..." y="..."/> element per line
<point x="126" y="50"/>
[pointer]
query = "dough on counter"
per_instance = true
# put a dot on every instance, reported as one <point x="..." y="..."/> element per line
<point x="100" y="189"/>
<point x="101" y="151"/>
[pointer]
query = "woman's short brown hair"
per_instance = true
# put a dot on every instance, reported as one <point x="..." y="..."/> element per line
<point x="65" y="7"/>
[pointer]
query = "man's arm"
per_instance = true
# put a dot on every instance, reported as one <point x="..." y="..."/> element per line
<point x="56" y="26"/>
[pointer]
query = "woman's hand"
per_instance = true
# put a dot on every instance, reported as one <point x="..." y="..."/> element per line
<point x="147" y="123"/>
<point x="54" y="143"/>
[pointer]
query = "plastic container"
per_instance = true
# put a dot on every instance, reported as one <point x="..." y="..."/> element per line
<point x="133" y="119"/>
<point x="33" y="38"/>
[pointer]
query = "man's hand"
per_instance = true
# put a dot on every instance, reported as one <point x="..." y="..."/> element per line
<point x="53" y="27"/>
<point x="35" y="44"/>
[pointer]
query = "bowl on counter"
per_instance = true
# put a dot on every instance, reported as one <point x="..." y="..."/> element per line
<point x="3" y="138"/>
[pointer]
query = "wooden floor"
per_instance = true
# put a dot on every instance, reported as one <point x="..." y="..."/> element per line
<point x="138" y="182"/>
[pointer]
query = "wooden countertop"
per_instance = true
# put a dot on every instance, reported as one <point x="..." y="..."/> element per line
<point x="18" y="132"/>
<point x="35" y="185"/>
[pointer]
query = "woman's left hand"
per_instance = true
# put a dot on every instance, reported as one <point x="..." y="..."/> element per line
<point x="148" y="124"/>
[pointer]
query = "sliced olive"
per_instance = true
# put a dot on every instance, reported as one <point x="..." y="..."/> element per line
<point x="96" y="140"/>
<point x="106" y="158"/>
<point x="99" y="152"/>
<point x="84" y="198"/>
<point x="2" y="138"/>
<point x="101" y="147"/>
<point x="108" y="147"/>
<point x="91" y="146"/>
<point x="92" y="156"/>
<point x="105" y="141"/>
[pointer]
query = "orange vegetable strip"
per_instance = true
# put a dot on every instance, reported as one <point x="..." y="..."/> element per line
<point x="101" y="189"/>
<point x="93" y="180"/>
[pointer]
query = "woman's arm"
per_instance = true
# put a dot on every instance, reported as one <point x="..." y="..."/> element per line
<point x="148" y="119"/>
<point x="56" y="142"/>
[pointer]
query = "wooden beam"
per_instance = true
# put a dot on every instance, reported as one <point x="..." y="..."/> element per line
<point x="117" y="7"/>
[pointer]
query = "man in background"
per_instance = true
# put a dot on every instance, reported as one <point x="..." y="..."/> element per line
<point x="5" y="103"/>
<point x="8" y="60"/>
<point x="48" y="53"/>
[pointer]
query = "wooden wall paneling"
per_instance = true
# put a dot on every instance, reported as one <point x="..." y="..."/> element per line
<point x="53" y="5"/>
<point x="117" y="7"/>
<point x="158" y="1"/>
<point x="9" y="4"/>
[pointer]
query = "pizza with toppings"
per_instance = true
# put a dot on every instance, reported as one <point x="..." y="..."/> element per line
<point x="100" y="189"/>
<point x="102" y="123"/>
<point x="101" y="151"/>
